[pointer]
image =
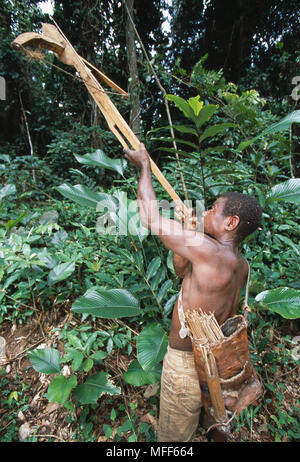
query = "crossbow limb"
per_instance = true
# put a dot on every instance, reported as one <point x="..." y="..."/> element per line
<point x="54" y="40"/>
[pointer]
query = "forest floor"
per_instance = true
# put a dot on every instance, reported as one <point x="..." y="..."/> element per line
<point x="31" y="414"/>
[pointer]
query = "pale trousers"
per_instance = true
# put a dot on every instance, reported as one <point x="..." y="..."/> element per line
<point x="180" y="397"/>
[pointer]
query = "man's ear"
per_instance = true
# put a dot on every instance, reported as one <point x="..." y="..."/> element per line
<point x="232" y="223"/>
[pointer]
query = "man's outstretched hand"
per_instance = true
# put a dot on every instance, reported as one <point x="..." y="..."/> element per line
<point x="139" y="158"/>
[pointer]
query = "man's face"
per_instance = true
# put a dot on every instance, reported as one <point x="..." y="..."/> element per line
<point x="214" y="219"/>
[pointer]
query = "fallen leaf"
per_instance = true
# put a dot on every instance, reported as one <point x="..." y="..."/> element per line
<point x="149" y="419"/>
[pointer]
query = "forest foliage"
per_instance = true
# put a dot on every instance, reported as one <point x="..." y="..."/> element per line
<point x="70" y="236"/>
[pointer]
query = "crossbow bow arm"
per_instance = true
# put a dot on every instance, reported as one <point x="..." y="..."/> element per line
<point x="54" y="40"/>
<point x="34" y="40"/>
<point x="43" y="41"/>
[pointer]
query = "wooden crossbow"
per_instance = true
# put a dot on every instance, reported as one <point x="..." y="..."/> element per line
<point x="54" y="40"/>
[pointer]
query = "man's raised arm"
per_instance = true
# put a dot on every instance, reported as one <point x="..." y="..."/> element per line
<point x="186" y="243"/>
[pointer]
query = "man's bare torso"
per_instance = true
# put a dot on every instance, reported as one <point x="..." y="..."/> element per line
<point x="213" y="286"/>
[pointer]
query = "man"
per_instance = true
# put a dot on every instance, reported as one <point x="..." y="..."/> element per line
<point x="213" y="273"/>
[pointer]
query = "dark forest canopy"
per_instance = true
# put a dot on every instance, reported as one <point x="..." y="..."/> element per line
<point x="254" y="44"/>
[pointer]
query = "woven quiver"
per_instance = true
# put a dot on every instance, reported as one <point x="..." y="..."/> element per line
<point x="239" y="382"/>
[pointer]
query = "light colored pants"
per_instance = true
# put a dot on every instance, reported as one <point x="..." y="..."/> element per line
<point x="180" y="397"/>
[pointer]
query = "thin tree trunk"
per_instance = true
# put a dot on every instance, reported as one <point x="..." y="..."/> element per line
<point x="134" y="83"/>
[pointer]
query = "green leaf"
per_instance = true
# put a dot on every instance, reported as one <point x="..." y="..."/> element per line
<point x="95" y="386"/>
<point x="288" y="191"/>
<point x="289" y="242"/>
<point x="98" y="355"/>
<point x="87" y="365"/>
<point x="164" y="289"/>
<point x="108" y="431"/>
<point x="107" y="303"/>
<point x="45" y="360"/>
<point x="11" y="223"/>
<point x="185" y="129"/>
<point x="60" y="388"/>
<point x="99" y="159"/>
<point x="283" y="124"/>
<point x="205" y="114"/>
<point x="182" y="104"/>
<point x="85" y="196"/>
<point x="214" y="129"/>
<point x="74" y="341"/>
<point x="180" y="128"/>
<point x="136" y="375"/>
<point x="77" y="360"/>
<point x="153" y="267"/>
<point x="282" y="300"/>
<point x="195" y="104"/>
<point x="61" y="272"/>
<point x="7" y="191"/>
<point x="151" y="346"/>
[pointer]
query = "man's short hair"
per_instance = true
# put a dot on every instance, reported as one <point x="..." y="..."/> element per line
<point x="248" y="210"/>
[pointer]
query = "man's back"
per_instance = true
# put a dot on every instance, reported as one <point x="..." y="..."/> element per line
<point x="213" y="285"/>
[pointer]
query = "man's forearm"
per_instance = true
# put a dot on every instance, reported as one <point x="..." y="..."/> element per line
<point x="148" y="206"/>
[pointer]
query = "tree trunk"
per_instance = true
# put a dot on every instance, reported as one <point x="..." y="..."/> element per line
<point x="134" y="83"/>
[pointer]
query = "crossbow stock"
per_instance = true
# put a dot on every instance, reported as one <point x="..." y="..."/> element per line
<point x="54" y="40"/>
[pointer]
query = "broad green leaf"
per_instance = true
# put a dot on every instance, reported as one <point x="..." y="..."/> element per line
<point x="107" y="303"/>
<point x="108" y="431"/>
<point x="95" y="386"/>
<point x="170" y="305"/>
<point x="182" y="104"/>
<point x="282" y="300"/>
<point x="99" y="159"/>
<point x="61" y="272"/>
<point x="170" y="261"/>
<point x="177" y="140"/>
<point x="5" y="158"/>
<point x="195" y="104"/>
<point x="11" y="223"/>
<point x="136" y="375"/>
<point x="45" y="360"/>
<point x="60" y="388"/>
<point x="185" y="129"/>
<point x="214" y="129"/>
<point x="7" y="191"/>
<point x="288" y="191"/>
<point x="164" y="289"/>
<point x="75" y="341"/>
<point x="151" y="346"/>
<point x="283" y="124"/>
<point x="180" y="128"/>
<point x="85" y="196"/>
<point x="77" y="360"/>
<point x="205" y="114"/>
<point x="98" y="355"/>
<point x="87" y="365"/>
<point x="153" y="267"/>
<point x="88" y="344"/>
<point x="289" y="242"/>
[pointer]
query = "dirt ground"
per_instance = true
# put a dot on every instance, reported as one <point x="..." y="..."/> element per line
<point x="49" y="421"/>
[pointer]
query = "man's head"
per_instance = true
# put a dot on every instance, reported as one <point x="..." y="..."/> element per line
<point x="234" y="213"/>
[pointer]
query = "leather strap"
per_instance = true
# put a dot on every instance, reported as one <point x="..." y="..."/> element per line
<point x="246" y="307"/>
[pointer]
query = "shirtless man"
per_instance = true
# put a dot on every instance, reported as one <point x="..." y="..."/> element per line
<point x="213" y="273"/>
